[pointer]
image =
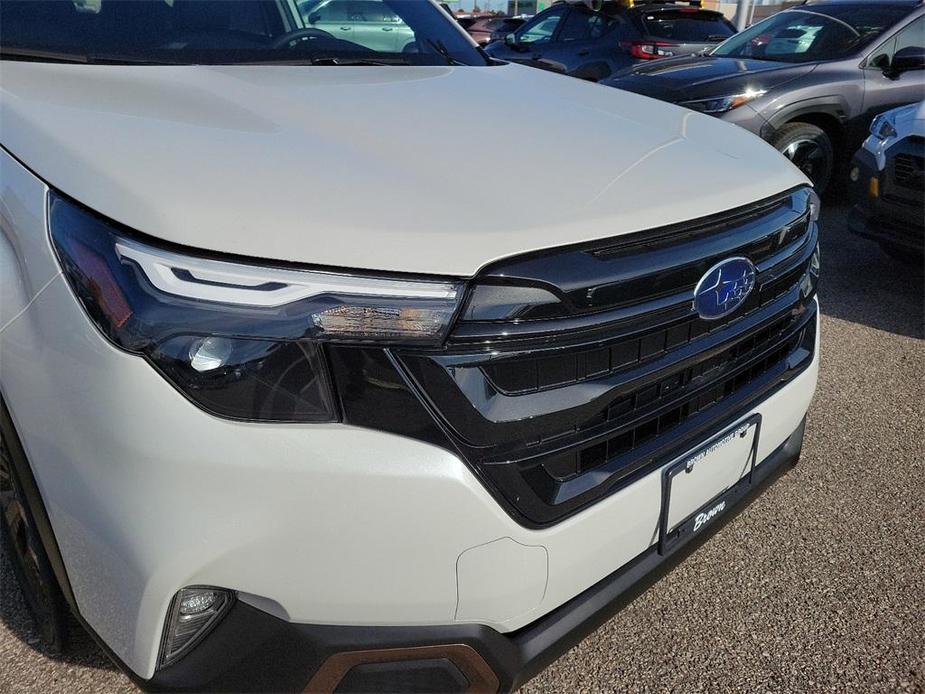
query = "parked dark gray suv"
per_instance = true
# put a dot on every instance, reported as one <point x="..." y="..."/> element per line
<point x="573" y="38"/>
<point x="808" y="80"/>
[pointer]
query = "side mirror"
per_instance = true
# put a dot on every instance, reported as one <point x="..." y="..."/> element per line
<point x="905" y="59"/>
<point x="510" y="40"/>
<point x="314" y="17"/>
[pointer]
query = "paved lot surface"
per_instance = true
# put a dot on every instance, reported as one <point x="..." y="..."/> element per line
<point x="818" y="586"/>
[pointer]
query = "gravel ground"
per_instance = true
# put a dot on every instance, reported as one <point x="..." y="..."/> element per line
<point x="818" y="586"/>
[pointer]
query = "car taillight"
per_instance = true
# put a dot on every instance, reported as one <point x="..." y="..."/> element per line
<point x="649" y="50"/>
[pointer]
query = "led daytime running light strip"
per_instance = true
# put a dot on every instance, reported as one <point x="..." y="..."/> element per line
<point x="245" y="285"/>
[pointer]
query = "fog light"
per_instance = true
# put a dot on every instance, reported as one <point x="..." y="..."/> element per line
<point x="193" y="613"/>
<point x="854" y="174"/>
<point x="196" y="602"/>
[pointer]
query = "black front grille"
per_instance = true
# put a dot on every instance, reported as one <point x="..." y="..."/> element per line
<point x="526" y="374"/>
<point x="908" y="170"/>
<point x="572" y="372"/>
<point x="660" y="407"/>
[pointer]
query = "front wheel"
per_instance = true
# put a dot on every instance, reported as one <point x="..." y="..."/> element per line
<point x="810" y="149"/>
<point x="22" y="546"/>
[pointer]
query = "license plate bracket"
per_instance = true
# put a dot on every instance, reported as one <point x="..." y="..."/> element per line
<point x="714" y="475"/>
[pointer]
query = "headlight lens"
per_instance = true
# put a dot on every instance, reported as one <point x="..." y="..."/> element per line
<point x="721" y="104"/>
<point x="240" y="340"/>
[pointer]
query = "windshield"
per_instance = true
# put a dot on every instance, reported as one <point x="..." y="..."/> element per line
<point x="825" y="32"/>
<point x="321" y="32"/>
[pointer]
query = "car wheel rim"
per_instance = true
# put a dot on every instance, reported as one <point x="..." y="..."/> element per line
<point x="23" y="543"/>
<point x="809" y="157"/>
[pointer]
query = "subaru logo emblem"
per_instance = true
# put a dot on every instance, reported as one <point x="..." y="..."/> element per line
<point x="724" y="287"/>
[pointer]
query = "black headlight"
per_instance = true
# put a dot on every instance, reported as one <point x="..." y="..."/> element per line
<point x="241" y="340"/>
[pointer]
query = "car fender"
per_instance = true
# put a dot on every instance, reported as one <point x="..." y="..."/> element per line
<point x="27" y="268"/>
<point x="833" y="105"/>
<point x="27" y="264"/>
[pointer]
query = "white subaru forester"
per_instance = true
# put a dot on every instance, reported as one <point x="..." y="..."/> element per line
<point x="336" y="369"/>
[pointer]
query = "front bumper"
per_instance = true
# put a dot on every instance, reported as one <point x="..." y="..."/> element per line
<point x="393" y="540"/>
<point x="891" y="214"/>
<point x="252" y="650"/>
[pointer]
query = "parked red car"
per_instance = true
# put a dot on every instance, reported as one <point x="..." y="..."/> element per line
<point x="487" y="29"/>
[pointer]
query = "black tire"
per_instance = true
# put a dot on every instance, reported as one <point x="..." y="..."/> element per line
<point x="23" y="548"/>
<point x="810" y="149"/>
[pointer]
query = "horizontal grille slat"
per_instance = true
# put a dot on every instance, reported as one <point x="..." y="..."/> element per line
<point x="680" y="395"/>
<point x="629" y="450"/>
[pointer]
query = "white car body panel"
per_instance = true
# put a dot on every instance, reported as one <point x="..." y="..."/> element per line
<point x="331" y="166"/>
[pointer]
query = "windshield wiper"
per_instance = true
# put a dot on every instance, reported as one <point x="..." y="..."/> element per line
<point x="343" y="60"/>
<point x="46" y="56"/>
<point x="329" y="60"/>
<point x="42" y="56"/>
<point x="442" y="51"/>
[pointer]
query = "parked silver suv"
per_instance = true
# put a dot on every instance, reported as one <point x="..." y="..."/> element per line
<point x="808" y="80"/>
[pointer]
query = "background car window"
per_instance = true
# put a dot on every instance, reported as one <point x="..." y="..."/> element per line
<point x="582" y="25"/>
<point x="542" y="28"/>
<point x="351" y="11"/>
<point x="681" y="25"/>
<point x="334" y="11"/>
<point x="912" y="35"/>
<point x="371" y="24"/>
<point x="800" y="38"/>
<point x="825" y="32"/>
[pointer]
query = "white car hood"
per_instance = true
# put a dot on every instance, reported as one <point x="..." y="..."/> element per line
<point x="419" y="169"/>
